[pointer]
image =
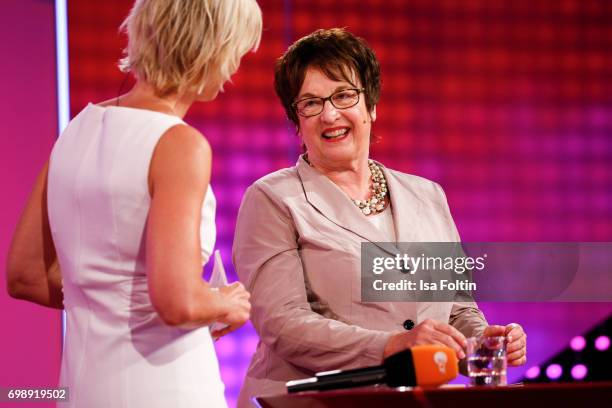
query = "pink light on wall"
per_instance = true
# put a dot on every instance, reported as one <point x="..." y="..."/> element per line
<point x="602" y="343"/>
<point x="533" y="372"/>
<point x="554" y="371"/>
<point x="579" y="371"/>
<point x="578" y="343"/>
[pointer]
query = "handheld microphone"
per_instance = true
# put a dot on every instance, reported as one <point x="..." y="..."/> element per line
<point x="429" y="365"/>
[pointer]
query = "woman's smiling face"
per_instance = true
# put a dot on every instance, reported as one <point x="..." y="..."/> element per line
<point x="335" y="138"/>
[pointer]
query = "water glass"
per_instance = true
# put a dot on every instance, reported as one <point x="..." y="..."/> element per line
<point x="486" y="360"/>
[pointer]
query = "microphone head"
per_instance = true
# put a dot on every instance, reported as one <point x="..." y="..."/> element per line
<point x="434" y="365"/>
<point x="427" y="365"/>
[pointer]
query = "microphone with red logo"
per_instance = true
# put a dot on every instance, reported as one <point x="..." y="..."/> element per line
<point x="427" y="366"/>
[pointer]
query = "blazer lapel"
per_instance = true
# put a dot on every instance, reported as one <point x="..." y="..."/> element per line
<point x="406" y="207"/>
<point x="335" y="205"/>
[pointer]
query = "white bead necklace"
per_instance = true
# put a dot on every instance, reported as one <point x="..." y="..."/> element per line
<point x="376" y="203"/>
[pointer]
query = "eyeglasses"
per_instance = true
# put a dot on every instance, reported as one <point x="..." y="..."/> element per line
<point x="343" y="99"/>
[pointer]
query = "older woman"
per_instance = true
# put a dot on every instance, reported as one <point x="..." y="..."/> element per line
<point x="122" y="218"/>
<point x="299" y="232"/>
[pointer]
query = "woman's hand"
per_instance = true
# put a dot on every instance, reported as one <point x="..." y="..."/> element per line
<point x="235" y="300"/>
<point x="427" y="332"/>
<point x="516" y="347"/>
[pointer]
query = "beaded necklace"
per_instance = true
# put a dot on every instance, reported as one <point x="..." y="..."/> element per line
<point x="376" y="203"/>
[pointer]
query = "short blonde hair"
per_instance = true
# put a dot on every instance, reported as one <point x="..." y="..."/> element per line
<point x="179" y="45"/>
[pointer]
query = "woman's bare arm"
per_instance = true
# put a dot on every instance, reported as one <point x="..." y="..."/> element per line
<point x="178" y="180"/>
<point x="33" y="272"/>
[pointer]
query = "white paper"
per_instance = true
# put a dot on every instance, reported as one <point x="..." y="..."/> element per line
<point x="218" y="278"/>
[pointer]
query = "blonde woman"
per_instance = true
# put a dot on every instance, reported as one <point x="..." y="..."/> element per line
<point x="121" y="219"/>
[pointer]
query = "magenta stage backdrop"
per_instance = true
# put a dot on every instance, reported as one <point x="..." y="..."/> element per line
<point x="506" y="104"/>
<point x="30" y="343"/>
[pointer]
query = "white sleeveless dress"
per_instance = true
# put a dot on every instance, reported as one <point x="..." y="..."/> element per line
<point x="117" y="350"/>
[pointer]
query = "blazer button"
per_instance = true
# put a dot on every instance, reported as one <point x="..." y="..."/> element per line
<point x="408" y="324"/>
<point x="404" y="270"/>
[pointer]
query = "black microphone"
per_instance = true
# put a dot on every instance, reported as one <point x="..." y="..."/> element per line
<point x="428" y="365"/>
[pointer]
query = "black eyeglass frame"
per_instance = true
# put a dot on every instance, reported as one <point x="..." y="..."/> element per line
<point x="329" y="98"/>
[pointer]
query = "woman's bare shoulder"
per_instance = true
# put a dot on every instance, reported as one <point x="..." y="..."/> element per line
<point x="185" y="138"/>
<point x="182" y="154"/>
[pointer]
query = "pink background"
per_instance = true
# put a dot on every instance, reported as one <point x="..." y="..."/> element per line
<point x="506" y="104"/>
<point x="30" y="343"/>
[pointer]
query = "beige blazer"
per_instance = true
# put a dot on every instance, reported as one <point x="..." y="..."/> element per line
<point x="297" y="250"/>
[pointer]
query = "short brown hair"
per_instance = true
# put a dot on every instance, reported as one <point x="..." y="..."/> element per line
<point x="338" y="54"/>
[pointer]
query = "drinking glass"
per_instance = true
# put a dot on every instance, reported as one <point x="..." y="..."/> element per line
<point x="486" y="360"/>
